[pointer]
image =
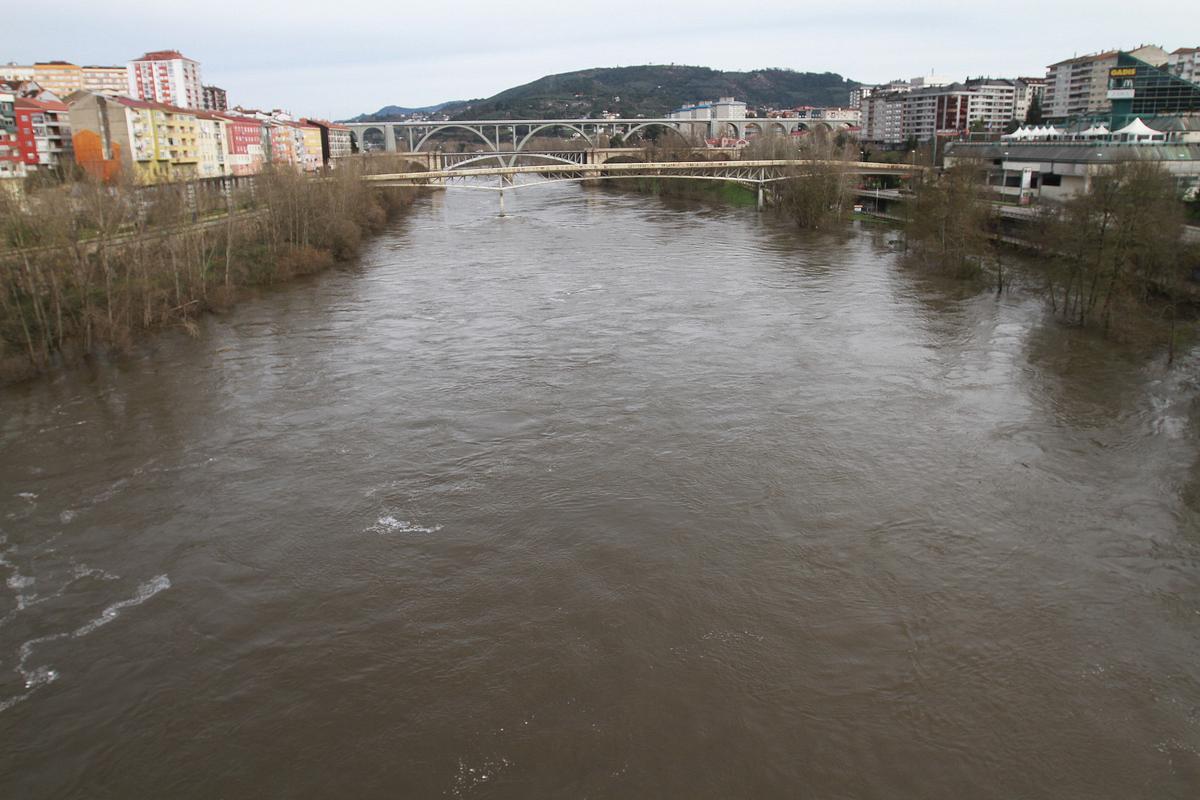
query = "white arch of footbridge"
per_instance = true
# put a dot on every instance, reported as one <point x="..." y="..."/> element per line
<point x="514" y="135"/>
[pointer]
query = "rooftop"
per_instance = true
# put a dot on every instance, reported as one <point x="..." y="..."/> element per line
<point x="163" y="55"/>
<point x="1078" y="152"/>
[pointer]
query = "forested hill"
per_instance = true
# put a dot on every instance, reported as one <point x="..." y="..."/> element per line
<point x="652" y="91"/>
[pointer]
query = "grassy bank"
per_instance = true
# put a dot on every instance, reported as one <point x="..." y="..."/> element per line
<point x="87" y="268"/>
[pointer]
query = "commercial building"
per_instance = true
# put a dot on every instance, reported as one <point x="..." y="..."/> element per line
<point x="43" y="134"/>
<point x="1057" y="170"/>
<point x="166" y="76"/>
<point x="1139" y="90"/>
<point x="1078" y="86"/>
<point x="214" y="98"/>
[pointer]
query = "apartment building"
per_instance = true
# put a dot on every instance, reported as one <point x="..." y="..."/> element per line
<point x="11" y="163"/>
<point x="335" y="141"/>
<point x="149" y="142"/>
<point x="1027" y="91"/>
<point x="1185" y="63"/>
<point x="1078" y="86"/>
<point x="214" y="98"/>
<point x="938" y="111"/>
<point x="883" y="117"/>
<point x="166" y="76"/>
<point x="106" y="80"/>
<point x="310" y="147"/>
<point x="211" y="146"/>
<point x="992" y="104"/>
<point x="246" y="144"/>
<point x="43" y="133"/>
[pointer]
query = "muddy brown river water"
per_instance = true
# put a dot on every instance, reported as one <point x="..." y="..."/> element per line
<point x="608" y="498"/>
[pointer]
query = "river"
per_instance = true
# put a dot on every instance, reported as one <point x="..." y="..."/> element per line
<point x="607" y="498"/>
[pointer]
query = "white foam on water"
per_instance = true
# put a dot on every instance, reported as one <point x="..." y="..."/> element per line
<point x="66" y="516"/>
<point x="144" y="593"/>
<point x="27" y="495"/>
<point x="84" y="571"/>
<point x="390" y="524"/>
<point x="19" y="581"/>
<point x="37" y="677"/>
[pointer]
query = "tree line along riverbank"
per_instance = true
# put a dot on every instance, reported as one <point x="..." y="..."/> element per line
<point x="87" y="267"/>
<point x="1113" y="258"/>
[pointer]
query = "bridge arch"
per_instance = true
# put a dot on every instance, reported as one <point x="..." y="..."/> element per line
<point x="777" y="128"/>
<point x="453" y="126"/>
<point x="544" y="126"/>
<point x="500" y="157"/>
<point x="367" y="141"/>
<point x="753" y="129"/>
<point x="664" y="125"/>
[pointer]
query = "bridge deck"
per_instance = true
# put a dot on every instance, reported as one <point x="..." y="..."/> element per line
<point x="648" y="169"/>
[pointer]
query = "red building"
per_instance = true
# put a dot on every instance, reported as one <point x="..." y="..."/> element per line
<point x="244" y="143"/>
<point x="43" y="133"/>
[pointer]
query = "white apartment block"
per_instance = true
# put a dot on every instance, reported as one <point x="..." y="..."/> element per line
<point x="992" y="103"/>
<point x="104" y="80"/>
<point x="166" y="76"/>
<point x="1185" y="63"/>
<point x="1027" y="90"/>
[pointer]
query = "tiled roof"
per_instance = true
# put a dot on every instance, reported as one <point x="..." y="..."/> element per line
<point x="45" y="105"/>
<point x="162" y="55"/>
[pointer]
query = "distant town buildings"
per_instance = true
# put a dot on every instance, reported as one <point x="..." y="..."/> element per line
<point x="149" y="121"/>
<point x="723" y="108"/>
<point x="63" y="77"/>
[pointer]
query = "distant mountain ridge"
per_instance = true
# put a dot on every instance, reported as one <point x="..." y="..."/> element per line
<point x="398" y="112"/>
<point x="648" y="91"/>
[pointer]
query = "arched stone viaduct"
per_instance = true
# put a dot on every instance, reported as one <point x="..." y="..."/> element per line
<point x="513" y="135"/>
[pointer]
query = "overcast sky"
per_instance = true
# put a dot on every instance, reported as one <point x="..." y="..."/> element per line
<point x="333" y="59"/>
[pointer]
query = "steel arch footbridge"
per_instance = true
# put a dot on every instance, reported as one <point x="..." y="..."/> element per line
<point x="756" y="174"/>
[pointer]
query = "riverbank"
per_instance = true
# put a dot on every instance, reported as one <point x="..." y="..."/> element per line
<point x="90" y="269"/>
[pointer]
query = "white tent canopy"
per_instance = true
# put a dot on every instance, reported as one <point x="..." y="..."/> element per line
<point x="1137" y="129"/>
<point x="1095" y="130"/>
